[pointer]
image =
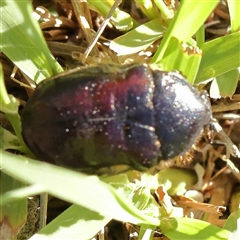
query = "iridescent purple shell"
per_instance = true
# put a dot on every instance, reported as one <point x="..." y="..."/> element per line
<point x="129" y="115"/>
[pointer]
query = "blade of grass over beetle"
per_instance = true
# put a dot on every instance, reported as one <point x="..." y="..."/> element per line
<point x="20" y="30"/>
<point x="78" y="188"/>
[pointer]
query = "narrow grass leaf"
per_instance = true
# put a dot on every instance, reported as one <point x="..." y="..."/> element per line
<point x="148" y="9"/>
<point x="22" y="41"/>
<point x="224" y="85"/>
<point x="166" y="12"/>
<point x="74" y="223"/>
<point x="233" y="224"/>
<point x="120" y="19"/>
<point x="24" y="192"/>
<point x="219" y="56"/>
<point x="234" y="10"/>
<point x="138" y="191"/>
<point x="146" y="232"/>
<point x="195" y="229"/>
<point x="186" y="59"/>
<point x="13" y="215"/>
<point x="9" y="105"/>
<point x="188" y="19"/>
<point x="87" y="191"/>
<point x="200" y="36"/>
<point x="8" y="140"/>
<point x="138" y="39"/>
<point x="186" y="179"/>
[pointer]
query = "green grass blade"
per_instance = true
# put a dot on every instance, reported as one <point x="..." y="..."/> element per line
<point x="186" y="59"/>
<point x="138" y="39"/>
<point x="234" y="10"/>
<point x="146" y="232"/>
<point x="13" y="215"/>
<point x="74" y="187"/>
<point x="200" y="36"/>
<point x="186" y="179"/>
<point x="190" y="229"/>
<point x="24" y="192"/>
<point x="166" y="12"/>
<point x="188" y="19"/>
<point x="22" y="41"/>
<point x="233" y="224"/>
<point x="139" y="192"/>
<point x="225" y="84"/>
<point x="148" y="8"/>
<point x="120" y="19"/>
<point x="8" y="140"/>
<point x="75" y="223"/>
<point x="219" y="56"/>
<point x="9" y="105"/>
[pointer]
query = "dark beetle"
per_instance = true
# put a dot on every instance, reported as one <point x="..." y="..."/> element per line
<point x="96" y="117"/>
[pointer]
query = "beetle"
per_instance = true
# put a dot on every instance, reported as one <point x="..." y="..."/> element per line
<point x="110" y="115"/>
